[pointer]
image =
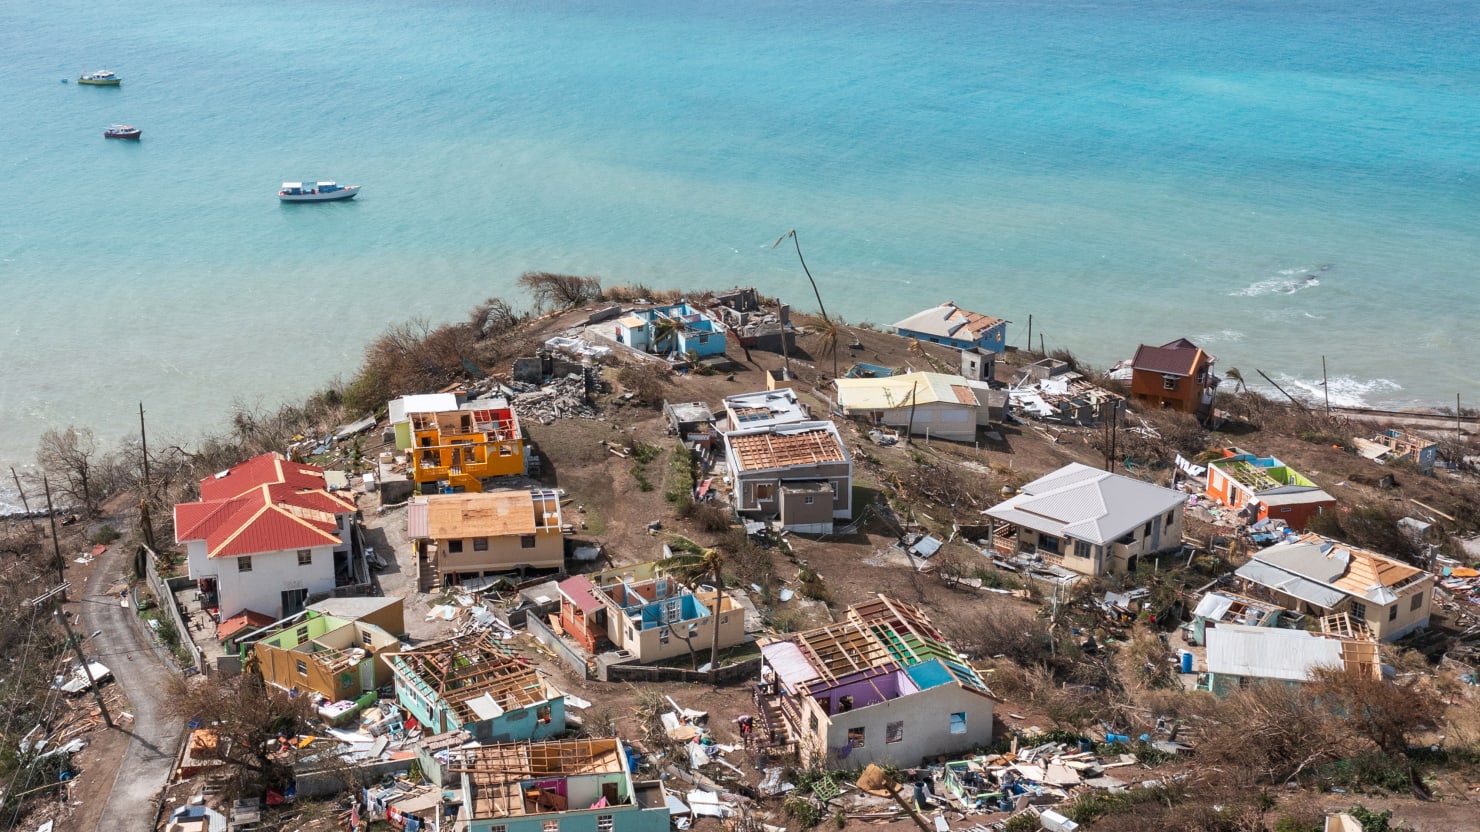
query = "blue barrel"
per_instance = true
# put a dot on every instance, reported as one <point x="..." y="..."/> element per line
<point x="1186" y="661"/>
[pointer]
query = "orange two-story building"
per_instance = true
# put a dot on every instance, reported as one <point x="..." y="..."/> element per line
<point x="455" y="450"/>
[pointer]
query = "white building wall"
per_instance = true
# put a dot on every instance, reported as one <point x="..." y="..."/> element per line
<point x="261" y="589"/>
<point x="926" y="729"/>
<point x="196" y="561"/>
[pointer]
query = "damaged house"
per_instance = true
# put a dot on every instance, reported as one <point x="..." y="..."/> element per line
<point x="1397" y="444"/>
<point x="1239" y="656"/>
<point x="650" y="615"/>
<point x="953" y="326"/>
<point x="1051" y="390"/>
<point x="577" y="785"/>
<point x="453" y="451"/>
<point x="1089" y="521"/>
<point x="936" y="405"/>
<point x="333" y="657"/>
<point x="676" y="328"/>
<point x="881" y="686"/>
<point x="1263" y="488"/>
<point x="472" y="683"/>
<point x="496" y="531"/>
<point x="1177" y="375"/>
<point x="1323" y="577"/>
<point x="799" y="475"/>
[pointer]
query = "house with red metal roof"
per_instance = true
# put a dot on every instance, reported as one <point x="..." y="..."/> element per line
<point x="264" y="537"/>
<point x="1174" y="376"/>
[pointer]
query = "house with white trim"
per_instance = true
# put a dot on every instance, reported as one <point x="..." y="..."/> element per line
<point x="265" y="536"/>
<point x="1089" y="521"/>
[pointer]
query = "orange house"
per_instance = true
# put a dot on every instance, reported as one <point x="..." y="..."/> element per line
<point x="1263" y="488"/>
<point x="456" y="450"/>
<point x="1174" y="376"/>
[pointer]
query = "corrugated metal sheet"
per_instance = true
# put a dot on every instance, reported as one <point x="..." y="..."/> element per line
<point x="790" y="665"/>
<point x="1305" y="589"/>
<point x="1269" y="653"/>
<point x="417" y="527"/>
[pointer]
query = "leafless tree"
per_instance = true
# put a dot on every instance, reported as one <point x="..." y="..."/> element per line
<point x="493" y="317"/>
<point x="560" y="291"/>
<point x="72" y="456"/>
<point x="248" y="717"/>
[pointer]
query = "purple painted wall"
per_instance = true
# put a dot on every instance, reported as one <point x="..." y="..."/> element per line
<point x="867" y="690"/>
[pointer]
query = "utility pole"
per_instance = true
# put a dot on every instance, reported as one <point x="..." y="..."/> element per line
<point x="145" y="521"/>
<point x="1459" y="425"/>
<point x="77" y="649"/>
<point x="27" y="504"/>
<point x="909" y="430"/>
<point x="1030" y="332"/>
<point x="1326" y="386"/>
<point x="56" y="545"/>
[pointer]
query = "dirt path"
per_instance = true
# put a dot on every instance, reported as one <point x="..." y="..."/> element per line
<point x="154" y="736"/>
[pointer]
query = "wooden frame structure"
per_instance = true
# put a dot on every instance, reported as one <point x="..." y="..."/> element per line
<point x="496" y="773"/>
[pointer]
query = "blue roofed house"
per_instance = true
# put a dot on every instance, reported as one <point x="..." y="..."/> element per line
<point x="472" y="683"/>
<point x="678" y="327"/>
<point x="953" y="326"/>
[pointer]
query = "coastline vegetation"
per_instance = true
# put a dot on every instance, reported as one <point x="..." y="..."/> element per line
<point x="1341" y="731"/>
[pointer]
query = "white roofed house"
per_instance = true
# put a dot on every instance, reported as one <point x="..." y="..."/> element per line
<point x="1089" y="521"/>
<point x="926" y="404"/>
<point x="1324" y="577"/>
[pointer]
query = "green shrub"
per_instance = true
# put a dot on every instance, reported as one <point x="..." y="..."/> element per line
<point x="106" y="534"/>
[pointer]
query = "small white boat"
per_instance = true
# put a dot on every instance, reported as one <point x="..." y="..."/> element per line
<point x="316" y="192"/>
<point x="101" y="78"/>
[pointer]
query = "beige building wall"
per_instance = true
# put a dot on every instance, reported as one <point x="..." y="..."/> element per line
<point x="503" y="553"/>
<point x="649" y="645"/>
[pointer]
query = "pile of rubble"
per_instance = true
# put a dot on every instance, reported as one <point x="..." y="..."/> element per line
<point x="561" y="398"/>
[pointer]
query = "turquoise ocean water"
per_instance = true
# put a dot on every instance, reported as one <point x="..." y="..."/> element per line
<point x="1124" y="170"/>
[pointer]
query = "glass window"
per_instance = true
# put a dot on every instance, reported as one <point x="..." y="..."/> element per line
<point x="958" y="722"/>
<point x="662" y="635"/>
<point x="367" y="639"/>
<point x="855" y="737"/>
<point x="550" y="826"/>
<point x="1417" y="601"/>
<point x="1081" y="549"/>
<point x="454" y="547"/>
<point x="526" y="541"/>
<point x="305" y="557"/>
<point x="480" y="544"/>
<point x="302" y="668"/>
<point x="894" y="732"/>
<point x="244" y="564"/>
<point x="1393" y="613"/>
<point x="1169" y="382"/>
<point x="603" y="823"/>
<point x="1359" y="610"/>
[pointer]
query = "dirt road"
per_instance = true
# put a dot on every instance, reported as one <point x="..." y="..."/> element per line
<point x="155" y="736"/>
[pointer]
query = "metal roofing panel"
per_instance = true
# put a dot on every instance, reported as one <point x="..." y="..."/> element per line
<point x="1295" y="586"/>
<point x="1269" y="653"/>
<point x="1086" y="503"/>
<point x="416" y="520"/>
<point x="789" y="663"/>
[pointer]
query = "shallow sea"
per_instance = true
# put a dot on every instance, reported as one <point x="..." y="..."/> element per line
<point x="1276" y="180"/>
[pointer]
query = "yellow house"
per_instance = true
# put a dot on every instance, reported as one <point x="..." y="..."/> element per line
<point x="496" y="531"/>
<point x="455" y="450"/>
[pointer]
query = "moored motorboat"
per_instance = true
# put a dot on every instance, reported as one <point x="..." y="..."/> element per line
<point x="316" y="192"/>
<point x="122" y="131"/>
<point x="101" y="78"/>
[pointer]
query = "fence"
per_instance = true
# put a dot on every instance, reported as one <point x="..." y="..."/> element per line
<point x="740" y="671"/>
<point x="166" y="598"/>
<point x="544" y="635"/>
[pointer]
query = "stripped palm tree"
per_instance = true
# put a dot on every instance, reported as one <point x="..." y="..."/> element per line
<point x="665" y="329"/>
<point x="793" y="235"/>
<point x="1238" y="378"/>
<point x="693" y="565"/>
<point x="830" y="335"/>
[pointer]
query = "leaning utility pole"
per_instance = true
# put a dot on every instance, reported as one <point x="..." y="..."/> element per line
<point x="77" y="649"/>
<point x="56" y="546"/>
<point x="146" y="522"/>
<point x="27" y="503"/>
